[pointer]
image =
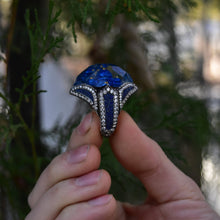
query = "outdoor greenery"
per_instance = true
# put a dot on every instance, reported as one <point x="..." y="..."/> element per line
<point x="179" y="124"/>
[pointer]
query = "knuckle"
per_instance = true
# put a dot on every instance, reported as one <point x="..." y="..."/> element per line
<point x="30" y="200"/>
<point x="95" y="159"/>
<point x="105" y="180"/>
<point x="62" y="190"/>
<point x="56" y="190"/>
<point x="66" y="213"/>
<point x="51" y="171"/>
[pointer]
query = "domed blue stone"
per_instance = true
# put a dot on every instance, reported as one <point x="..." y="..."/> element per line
<point x="100" y="75"/>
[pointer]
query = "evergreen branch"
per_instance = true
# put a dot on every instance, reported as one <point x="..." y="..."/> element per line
<point x="15" y="109"/>
<point x="73" y="21"/>
<point x="146" y="11"/>
<point x="108" y="7"/>
<point x="41" y="44"/>
<point x="7" y="101"/>
<point x="28" y="24"/>
<point x="86" y="10"/>
<point x="129" y="5"/>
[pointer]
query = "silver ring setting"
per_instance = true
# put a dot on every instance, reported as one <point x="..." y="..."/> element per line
<point x="106" y="88"/>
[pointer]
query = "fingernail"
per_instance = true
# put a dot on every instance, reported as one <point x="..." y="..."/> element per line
<point x="77" y="155"/>
<point x="88" y="179"/>
<point x="85" y="124"/>
<point x="102" y="200"/>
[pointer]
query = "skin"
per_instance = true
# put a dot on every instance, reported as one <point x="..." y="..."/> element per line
<point x="73" y="188"/>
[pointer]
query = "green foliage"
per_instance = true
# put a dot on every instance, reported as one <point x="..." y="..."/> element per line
<point x="95" y="16"/>
<point x="88" y="15"/>
<point x="42" y="42"/>
<point x="176" y="118"/>
<point x="21" y="164"/>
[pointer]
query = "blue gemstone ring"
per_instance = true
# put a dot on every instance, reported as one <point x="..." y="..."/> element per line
<point x="106" y="88"/>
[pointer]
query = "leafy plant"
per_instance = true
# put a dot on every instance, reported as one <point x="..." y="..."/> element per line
<point x="17" y="160"/>
<point x="90" y="13"/>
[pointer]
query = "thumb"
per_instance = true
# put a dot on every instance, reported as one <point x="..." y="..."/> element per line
<point x="145" y="159"/>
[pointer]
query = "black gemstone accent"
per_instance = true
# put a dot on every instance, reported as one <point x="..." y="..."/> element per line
<point x="126" y="91"/>
<point x="85" y="93"/>
<point x="109" y="110"/>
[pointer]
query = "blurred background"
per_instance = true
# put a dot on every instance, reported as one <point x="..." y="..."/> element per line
<point x="170" y="48"/>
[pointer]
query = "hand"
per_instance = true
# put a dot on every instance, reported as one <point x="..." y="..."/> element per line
<point x="72" y="187"/>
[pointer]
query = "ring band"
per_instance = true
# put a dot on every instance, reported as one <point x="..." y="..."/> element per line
<point x="106" y="88"/>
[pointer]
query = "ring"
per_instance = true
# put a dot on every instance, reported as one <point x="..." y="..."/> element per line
<point x="106" y="88"/>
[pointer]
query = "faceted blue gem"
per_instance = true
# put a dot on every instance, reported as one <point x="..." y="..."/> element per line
<point x="100" y="75"/>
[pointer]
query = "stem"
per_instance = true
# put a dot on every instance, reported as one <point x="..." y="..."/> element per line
<point x="34" y="152"/>
<point x="129" y="5"/>
<point x="11" y="28"/>
<point x="31" y="138"/>
<point x="29" y="132"/>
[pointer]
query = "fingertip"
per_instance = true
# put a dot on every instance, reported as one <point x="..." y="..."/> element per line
<point x="88" y="132"/>
<point x="101" y="200"/>
<point x="30" y="199"/>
